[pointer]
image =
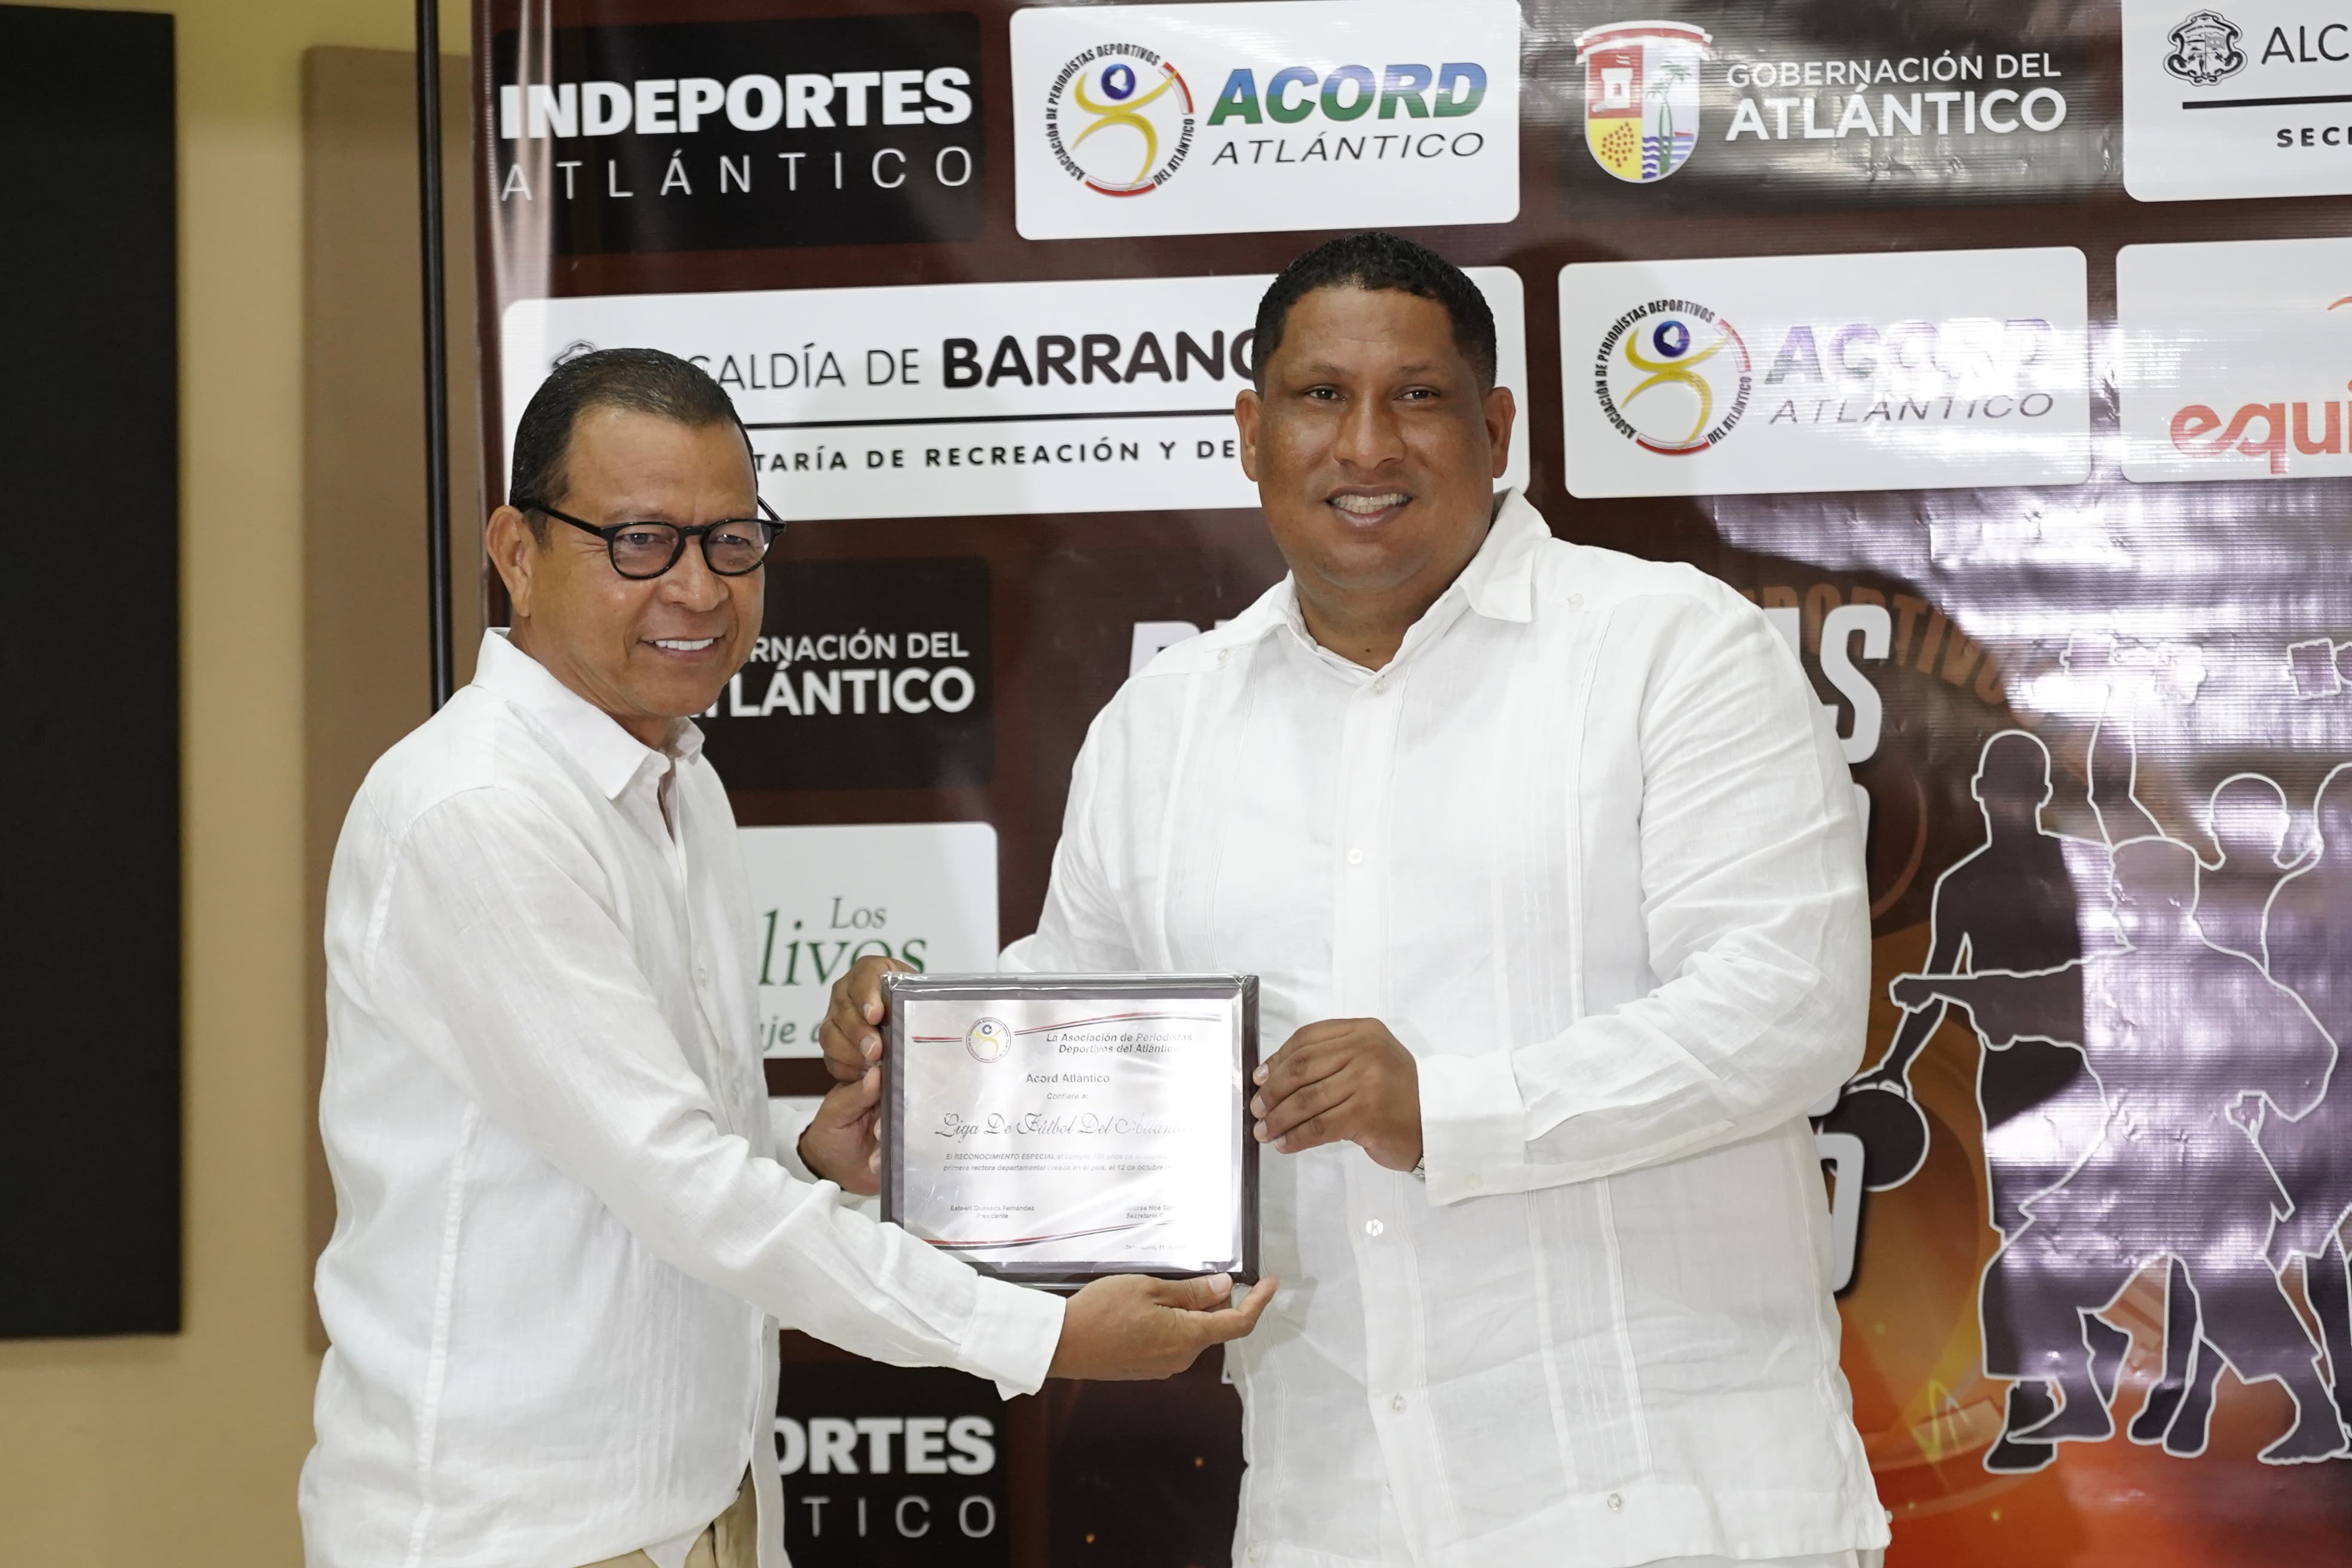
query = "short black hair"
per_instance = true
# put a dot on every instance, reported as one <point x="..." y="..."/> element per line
<point x="645" y="380"/>
<point x="1376" y="261"/>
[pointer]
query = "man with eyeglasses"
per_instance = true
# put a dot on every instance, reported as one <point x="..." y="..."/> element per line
<point x="566" y="1231"/>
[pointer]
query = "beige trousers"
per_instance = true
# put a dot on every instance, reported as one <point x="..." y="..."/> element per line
<point x="731" y="1542"/>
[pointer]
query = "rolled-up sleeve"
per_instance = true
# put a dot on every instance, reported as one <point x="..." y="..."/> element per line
<point x="1754" y="907"/>
<point x="524" y="988"/>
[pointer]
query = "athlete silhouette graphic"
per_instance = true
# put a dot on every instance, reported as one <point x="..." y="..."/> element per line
<point x="2010" y="904"/>
<point x="2195" y="1048"/>
<point x="2307" y="945"/>
<point x="2248" y="818"/>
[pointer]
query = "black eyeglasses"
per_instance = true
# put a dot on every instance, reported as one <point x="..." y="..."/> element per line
<point x="731" y="547"/>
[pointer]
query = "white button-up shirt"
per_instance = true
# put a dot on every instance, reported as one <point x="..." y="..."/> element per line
<point x="560" y="1238"/>
<point x="1589" y="847"/>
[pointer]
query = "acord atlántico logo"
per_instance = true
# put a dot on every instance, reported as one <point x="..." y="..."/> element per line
<point x="1119" y="119"/>
<point x="988" y="1040"/>
<point x="1673" y="377"/>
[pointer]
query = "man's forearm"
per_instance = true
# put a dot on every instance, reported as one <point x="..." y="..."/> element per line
<point x="1624" y="1089"/>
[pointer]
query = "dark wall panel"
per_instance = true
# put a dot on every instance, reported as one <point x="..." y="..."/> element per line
<point x="89" y="1015"/>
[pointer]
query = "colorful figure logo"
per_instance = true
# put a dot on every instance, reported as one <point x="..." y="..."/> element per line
<point x="1673" y="377"/>
<point x="988" y="1040"/>
<point x="2205" y="49"/>
<point x="1641" y="97"/>
<point x="1120" y="122"/>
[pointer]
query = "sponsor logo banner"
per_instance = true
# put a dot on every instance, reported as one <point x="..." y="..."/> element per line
<point x="824" y="898"/>
<point x="2233" y="358"/>
<point x="1824" y="373"/>
<point x="897" y="1466"/>
<point x="969" y="399"/>
<point x="736" y="135"/>
<point x="1144" y="120"/>
<point x="867" y="675"/>
<point x="1732" y="107"/>
<point x="2247" y="98"/>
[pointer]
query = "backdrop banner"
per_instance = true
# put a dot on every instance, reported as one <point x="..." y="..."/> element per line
<point x="1932" y="326"/>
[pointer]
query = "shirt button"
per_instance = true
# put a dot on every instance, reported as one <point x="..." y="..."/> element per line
<point x="1373" y="1227"/>
<point x="1223" y="654"/>
<point x="1397" y="1405"/>
<point x="1257" y="1554"/>
<point x="1380" y="685"/>
<point x="1574" y="600"/>
<point x="1355" y="857"/>
<point x="1615" y="1502"/>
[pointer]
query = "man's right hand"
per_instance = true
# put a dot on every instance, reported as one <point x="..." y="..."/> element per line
<point x="1131" y="1327"/>
<point x="851" y="1033"/>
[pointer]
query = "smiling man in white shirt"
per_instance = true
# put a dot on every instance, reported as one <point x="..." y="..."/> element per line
<point x="1548" y="865"/>
<point x="562" y="1245"/>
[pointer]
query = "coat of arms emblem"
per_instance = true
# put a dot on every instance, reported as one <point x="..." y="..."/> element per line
<point x="1642" y="96"/>
<point x="2205" y="49"/>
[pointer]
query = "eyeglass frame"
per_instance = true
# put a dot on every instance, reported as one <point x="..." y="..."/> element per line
<point x="697" y="533"/>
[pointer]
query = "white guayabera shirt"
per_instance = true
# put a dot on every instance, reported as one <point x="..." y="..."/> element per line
<point x="1587" y="846"/>
<point x="559" y="1238"/>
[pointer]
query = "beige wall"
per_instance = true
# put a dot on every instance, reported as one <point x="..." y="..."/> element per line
<point x="366" y="678"/>
<point x="146" y="1452"/>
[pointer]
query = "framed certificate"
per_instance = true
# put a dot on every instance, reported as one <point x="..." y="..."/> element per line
<point x="1051" y="1129"/>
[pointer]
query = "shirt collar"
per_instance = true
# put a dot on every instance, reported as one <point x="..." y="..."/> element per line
<point x="591" y="737"/>
<point x="1500" y="579"/>
<point x="1499" y="584"/>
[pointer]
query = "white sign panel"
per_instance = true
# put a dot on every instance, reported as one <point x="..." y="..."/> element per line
<point x="967" y="399"/>
<point x="1929" y="370"/>
<point x="2233" y="358"/>
<point x="824" y="898"/>
<point x="2246" y="97"/>
<point x="1140" y="119"/>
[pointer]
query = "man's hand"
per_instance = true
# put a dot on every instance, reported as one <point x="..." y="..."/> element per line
<point x="1345" y="1078"/>
<point x="841" y="1144"/>
<point x="1131" y="1327"/>
<point x="851" y="1033"/>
